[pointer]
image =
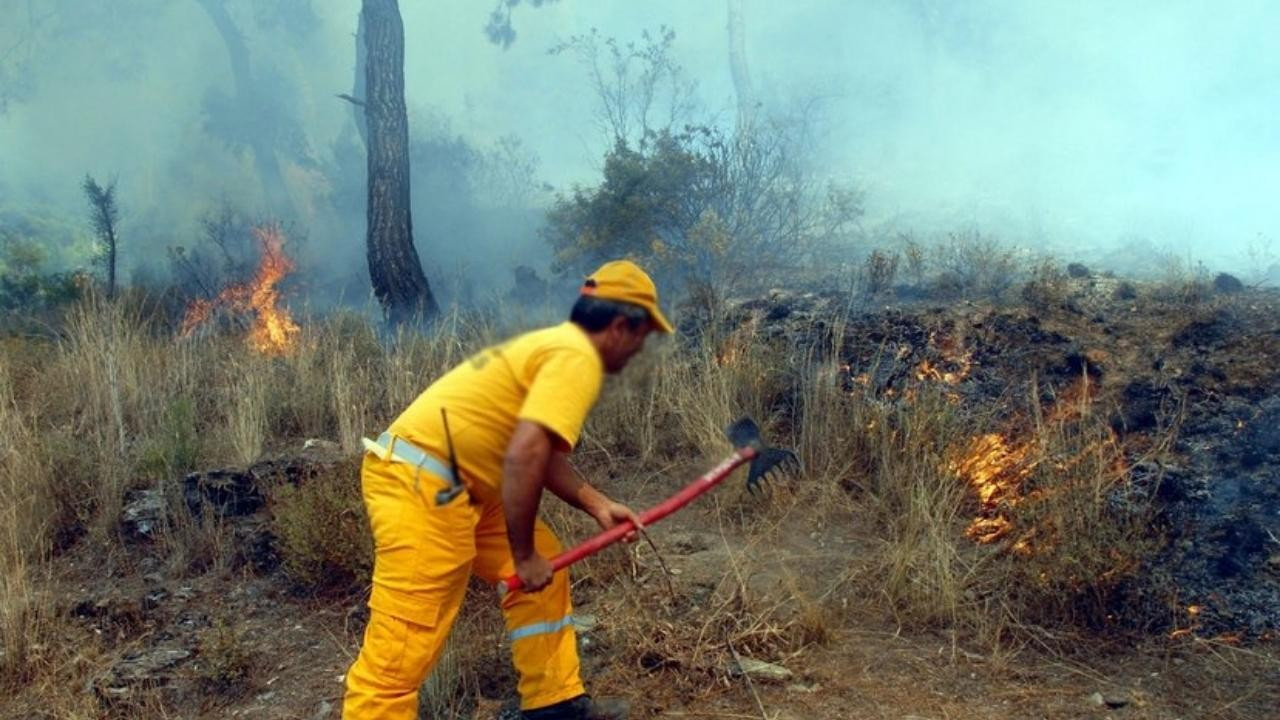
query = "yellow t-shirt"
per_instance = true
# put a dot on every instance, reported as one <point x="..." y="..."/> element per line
<point x="550" y="376"/>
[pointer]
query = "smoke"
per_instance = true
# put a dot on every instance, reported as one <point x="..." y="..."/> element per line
<point x="1078" y="128"/>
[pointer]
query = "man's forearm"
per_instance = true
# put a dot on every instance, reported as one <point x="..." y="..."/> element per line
<point x="569" y="486"/>
<point x="521" y="491"/>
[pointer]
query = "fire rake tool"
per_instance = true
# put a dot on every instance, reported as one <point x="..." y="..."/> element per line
<point x="749" y="448"/>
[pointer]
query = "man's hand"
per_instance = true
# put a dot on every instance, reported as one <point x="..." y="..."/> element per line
<point x="535" y="572"/>
<point x="610" y="513"/>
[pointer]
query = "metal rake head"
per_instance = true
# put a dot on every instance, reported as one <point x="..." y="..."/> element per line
<point x="745" y="433"/>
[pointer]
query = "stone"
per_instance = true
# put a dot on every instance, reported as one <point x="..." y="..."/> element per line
<point x="227" y="493"/>
<point x="1112" y="700"/>
<point x="318" y="445"/>
<point x="144" y="513"/>
<point x="147" y="669"/>
<point x="1227" y="283"/>
<point x="759" y="670"/>
<point x="1115" y="700"/>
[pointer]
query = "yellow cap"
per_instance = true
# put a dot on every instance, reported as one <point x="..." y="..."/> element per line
<point x="624" y="281"/>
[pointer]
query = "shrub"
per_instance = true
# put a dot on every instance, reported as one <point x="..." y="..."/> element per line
<point x="916" y="257"/>
<point x="323" y="531"/>
<point x="1180" y="282"/>
<point x="1048" y="288"/>
<point x="878" y="272"/>
<point x="226" y="661"/>
<point x="174" y="448"/>
<point x="698" y="204"/>
<point x="973" y="266"/>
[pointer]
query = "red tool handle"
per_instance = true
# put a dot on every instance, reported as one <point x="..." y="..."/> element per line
<point x="648" y="517"/>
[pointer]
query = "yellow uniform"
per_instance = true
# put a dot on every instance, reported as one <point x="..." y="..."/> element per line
<point x="426" y="551"/>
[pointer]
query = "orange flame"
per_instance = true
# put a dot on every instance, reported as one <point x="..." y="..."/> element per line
<point x="957" y="361"/>
<point x="995" y="468"/>
<point x="273" y="331"/>
<point x="928" y="371"/>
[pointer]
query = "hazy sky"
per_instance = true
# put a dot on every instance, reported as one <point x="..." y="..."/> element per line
<point x="1077" y="124"/>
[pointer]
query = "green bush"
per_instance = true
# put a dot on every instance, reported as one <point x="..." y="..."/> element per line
<point x="323" y="531"/>
<point x="174" y="450"/>
<point x="226" y="661"/>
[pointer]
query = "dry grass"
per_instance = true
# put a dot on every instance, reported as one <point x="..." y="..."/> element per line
<point x="123" y="406"/>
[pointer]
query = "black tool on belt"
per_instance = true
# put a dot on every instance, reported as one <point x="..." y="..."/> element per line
<point x="446" y="496"/>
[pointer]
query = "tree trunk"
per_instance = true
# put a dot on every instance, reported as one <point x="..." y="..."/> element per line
<point x="358" y="83"/>
<point x="738" y="68"/>
<point x="264" y="155"/>
<point x="111" y="265"/>
<point x="394" y="267"/>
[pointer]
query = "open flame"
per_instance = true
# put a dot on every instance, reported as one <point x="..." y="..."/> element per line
<point x="273" y="331"/>
<point x="997" y="466"/>
<point x="955" y="364"/>
<point x="961" y="366"/>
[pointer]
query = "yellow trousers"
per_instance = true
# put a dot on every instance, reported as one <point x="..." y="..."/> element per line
<point x="424" y="557"/>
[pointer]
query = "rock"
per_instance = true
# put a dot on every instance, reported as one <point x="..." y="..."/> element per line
<point x="528" y="286"/>
<point x="759" y="670"/>
<point x="152" y="600"/>
<point x="1125" y="290"/>
<point x="320" y="447"/>
<point x="228" y="493"/>
<point x="1227" y="284"/>
<point x="1115" y="700"/>
<point x="584" y="623"/>
<point x="324" y="711"/>
<point x="144" y="512"/>
<point x="1111" y="700"/>
<point x="114" y="613"/>
<point x="148" y="669"/>
<point x="1077" y="270"/>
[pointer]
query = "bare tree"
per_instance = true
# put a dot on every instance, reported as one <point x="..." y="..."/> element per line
<point x="249" y="102"/>
<point x="104" y="215"/>
<point x="394" y="267"/>
<point x="738" y="67"/>
<point x="635" y="83"/>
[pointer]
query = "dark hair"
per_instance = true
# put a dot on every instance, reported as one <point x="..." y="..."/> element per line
<point x="594" y="314"/>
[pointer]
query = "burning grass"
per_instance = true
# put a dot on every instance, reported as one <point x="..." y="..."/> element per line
<point x="272" y="329"/>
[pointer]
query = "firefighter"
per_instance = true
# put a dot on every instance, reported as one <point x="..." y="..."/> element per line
<point x="452" y="488"/>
